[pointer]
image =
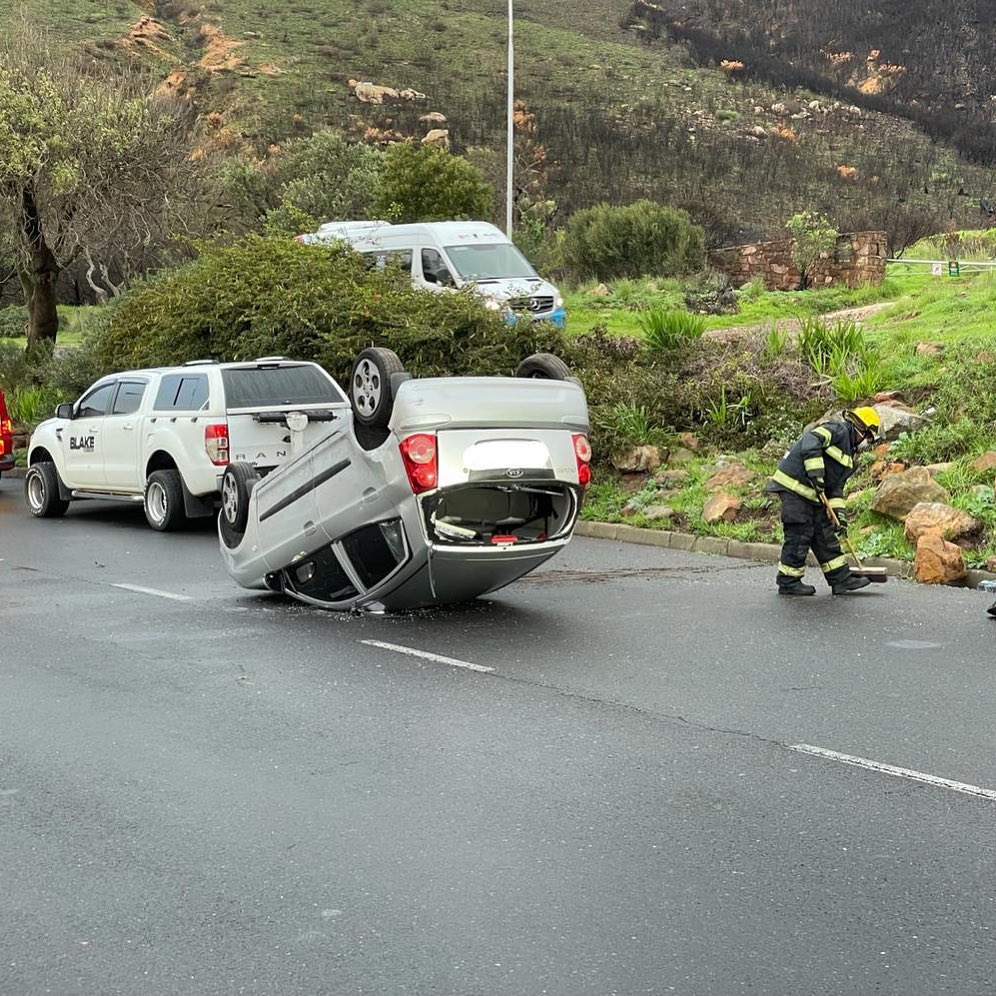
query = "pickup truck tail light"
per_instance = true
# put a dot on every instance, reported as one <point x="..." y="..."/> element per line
<point x="420" y="457"/>
<point x="582" y="453"/>
<point x="216" y="443"/>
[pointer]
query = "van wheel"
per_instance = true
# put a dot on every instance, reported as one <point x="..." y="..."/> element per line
<point x="370" y="386"/>
<point x="164" y="501"/>
<point x="236" y="488"/>
<point x="544" y="366"/>
<point x="42" y="490"/>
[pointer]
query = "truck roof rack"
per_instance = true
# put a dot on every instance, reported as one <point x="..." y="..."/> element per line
<point x="269" y="359"/>
<point x="199" y="363"/>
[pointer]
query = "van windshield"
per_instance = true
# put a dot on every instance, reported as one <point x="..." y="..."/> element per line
<point x="491" y="261"/>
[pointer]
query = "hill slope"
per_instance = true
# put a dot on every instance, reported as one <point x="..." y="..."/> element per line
<point x="621" y="117"/>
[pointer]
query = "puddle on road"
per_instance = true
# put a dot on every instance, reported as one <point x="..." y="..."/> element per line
<point x="913" y="645"/>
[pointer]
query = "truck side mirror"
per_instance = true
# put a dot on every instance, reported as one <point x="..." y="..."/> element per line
<point x="64" y="411"/>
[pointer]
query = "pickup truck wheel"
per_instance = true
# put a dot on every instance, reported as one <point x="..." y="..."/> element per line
<point x="164" y="501"/>
<point x="370" y="386"/>
<point x="236" y="488"/>
<point x="544" y="366"/>
<point x="41" y="490"/>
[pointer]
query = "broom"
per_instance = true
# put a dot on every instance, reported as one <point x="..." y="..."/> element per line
<point x="877" y="574"/>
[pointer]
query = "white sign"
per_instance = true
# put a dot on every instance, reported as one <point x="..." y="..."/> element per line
<point x="937" y="269"/>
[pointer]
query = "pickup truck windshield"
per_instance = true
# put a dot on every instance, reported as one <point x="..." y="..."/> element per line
<point x="491" y="261"/>
<point x="276" y="387"/>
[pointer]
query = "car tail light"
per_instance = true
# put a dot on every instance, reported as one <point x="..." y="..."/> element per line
<point x="582" y="453"/>
<point x="419" y="454"/>
<point x="216" y="443"/>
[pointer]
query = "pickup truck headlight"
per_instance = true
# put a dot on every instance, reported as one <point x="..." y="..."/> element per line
<point x="558" y="301"/>
<point x="492" y="305"/>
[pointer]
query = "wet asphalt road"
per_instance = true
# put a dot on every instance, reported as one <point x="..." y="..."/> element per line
<point x="224" y="792"/>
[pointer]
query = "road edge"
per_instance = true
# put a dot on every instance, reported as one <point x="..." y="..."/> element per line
<point x="763" y="553"/>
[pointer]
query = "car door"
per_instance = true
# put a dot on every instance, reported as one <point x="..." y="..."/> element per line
<point x="121" y="437"/>
<point x="82" y="438"/>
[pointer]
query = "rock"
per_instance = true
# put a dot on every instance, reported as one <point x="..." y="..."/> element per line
<point x="689" y="440"/>
<point x="931" y="516"/>
<point x="991" y="565"/>
<point x="657" y="512"/>
<point x="881" y="450"/>
<point x="731" y="476"/>
<point x="370" y="93"/>
<point x="885" y="397"/>
<point x="439" y="137"/>
<point x="681" y="455"/>
<point x="938" y="561"/>
<point x="434" y="118"/>
<point x="929" y="349"/>
<point x="900" y="493"/>
<point x="671" y="478"/>
<point x="985" y="463"/>
<point x="721" y="508"/>
<point x="938" y="468"/>
<point x="637" y="459"/>
<point x="896" y="420"/>
<point x="757" y="131"/>
<point x="883" y="468"/>
<point x="601" y="291"/>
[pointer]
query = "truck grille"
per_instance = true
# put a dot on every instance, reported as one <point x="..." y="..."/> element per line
<point x="537" y="305"/>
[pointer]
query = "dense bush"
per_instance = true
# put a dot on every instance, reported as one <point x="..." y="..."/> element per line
<point x="13" y="322"/>
<point x="266" y="296"/>
<point x="643" y="238"/>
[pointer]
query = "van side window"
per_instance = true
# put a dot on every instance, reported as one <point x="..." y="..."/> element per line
<point x="182" y="392"/>
<point x="434" y="270"/>
<point x="402" y="258"/>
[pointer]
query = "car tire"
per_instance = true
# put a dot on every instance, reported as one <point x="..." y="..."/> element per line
<point x="236" y="489"/>
<point x="42" y="491"/>
<point x="370" y="386"/>
<point x="163" y="504"/>
<point x="544" y="366"/>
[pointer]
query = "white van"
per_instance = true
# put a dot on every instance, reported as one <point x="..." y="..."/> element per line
<point x="449" y="254"/>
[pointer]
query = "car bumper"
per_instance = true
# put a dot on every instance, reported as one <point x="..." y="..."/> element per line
<point x="557" y="317"/>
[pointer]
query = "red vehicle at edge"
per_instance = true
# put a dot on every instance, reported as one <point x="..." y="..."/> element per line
<point x="6" y="438"/>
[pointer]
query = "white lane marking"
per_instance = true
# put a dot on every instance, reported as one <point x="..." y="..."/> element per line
<point x="438" y="658"/>
<point x="891" y="769"/>
<point x="153" y="591"/>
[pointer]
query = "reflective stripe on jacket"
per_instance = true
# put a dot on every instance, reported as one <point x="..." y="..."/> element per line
<point x="828" y="451"/>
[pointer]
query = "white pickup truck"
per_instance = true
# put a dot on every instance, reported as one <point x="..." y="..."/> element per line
<point x="163" y="437"/>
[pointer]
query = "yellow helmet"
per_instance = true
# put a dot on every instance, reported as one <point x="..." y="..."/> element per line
<point x="867" y="418"/>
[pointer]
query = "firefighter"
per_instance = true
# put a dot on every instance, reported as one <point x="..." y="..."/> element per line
<point x="820" y="462"/>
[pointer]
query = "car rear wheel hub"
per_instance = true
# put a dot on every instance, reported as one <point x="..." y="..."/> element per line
<point x="367" y="388"/>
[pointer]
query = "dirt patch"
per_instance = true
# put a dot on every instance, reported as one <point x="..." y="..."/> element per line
<point x="149" y="35"/>
<point x="794" y="325"/>
<point x="219" y="50"/>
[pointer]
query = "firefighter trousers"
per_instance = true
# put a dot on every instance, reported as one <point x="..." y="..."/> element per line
<point x="806" y="527"/>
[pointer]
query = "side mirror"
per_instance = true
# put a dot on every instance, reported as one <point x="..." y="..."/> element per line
<point x="64" y="411"/>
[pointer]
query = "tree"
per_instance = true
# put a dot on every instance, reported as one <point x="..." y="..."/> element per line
<point x="812" y="237"/>
<point x="426" y="183"/>
<point x="91" y="167"/>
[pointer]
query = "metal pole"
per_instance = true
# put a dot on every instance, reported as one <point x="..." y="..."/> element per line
<point x="510" y="137"/>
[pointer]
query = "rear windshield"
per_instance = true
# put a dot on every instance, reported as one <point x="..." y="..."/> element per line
<point x="270" y="387"/>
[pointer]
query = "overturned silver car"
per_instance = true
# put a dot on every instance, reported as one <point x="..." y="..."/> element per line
<point x="422" y="492"/>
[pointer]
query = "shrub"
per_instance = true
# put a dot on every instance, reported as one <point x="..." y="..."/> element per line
<point x="644" y="238"/>
<point x="13" y="322"/>
<point x="664" y="330"/>
<point x="265" y="296"/>
<point x="829" y="348"/>
<point x="426" y="183"/>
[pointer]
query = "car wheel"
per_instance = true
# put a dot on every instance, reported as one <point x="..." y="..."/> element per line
<point x="544" y="366"/>
<point x="370" y="386"/>
<point x="164" y="501"/>
<point x="236" y="488"/>
<point x="42" y="490"/>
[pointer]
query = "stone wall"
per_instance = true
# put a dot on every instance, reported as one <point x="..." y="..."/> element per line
<point x="858" y="258"/>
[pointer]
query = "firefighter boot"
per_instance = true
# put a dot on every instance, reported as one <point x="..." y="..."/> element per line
<point x="796" y="588"/>
<point x="851" y="583"/>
